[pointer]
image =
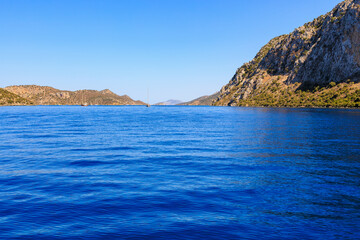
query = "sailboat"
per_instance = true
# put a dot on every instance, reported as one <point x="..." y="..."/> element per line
<point x="148" y="104"/>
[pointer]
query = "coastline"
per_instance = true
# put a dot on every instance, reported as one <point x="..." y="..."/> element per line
<point x="268" y="107"/>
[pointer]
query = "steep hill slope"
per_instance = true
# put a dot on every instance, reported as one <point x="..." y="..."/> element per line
<point x="308" y="66"/>
<point x="8" y="98"/>
<point x="40" y="95"/>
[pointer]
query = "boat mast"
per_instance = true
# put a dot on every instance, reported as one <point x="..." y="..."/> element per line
<point x="148" y="104"/>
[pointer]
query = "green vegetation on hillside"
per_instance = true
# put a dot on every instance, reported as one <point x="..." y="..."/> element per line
<point x="44" y="95"/>
<point x="8" y="98"/>
<point x="308" y="67"/>
<point x="250" y="68"/>
<point x="277" y="94"/>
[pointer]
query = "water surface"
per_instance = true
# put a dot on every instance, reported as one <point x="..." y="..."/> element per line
<point x="179" y="173"/>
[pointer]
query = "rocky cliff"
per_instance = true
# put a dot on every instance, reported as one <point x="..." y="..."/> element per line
<point x="322" y="57"/>
<point x="40" y="95"/>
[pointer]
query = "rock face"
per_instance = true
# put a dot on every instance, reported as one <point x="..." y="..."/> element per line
<point x="202" y="101"/>
<point x="320" y="52"/>
<point x="40" y="95"/>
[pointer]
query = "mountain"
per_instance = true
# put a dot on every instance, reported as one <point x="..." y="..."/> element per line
<point x="318" y="64"/>
<point x="9" y="98"/>
<point x="170" y="102"/>
<point x="202" y="101"/>
<point x="40" y="95"/>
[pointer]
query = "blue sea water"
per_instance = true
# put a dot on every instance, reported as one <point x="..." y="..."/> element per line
<point x="102" y="172"/>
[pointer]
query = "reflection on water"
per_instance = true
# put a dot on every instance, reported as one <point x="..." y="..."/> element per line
<point x="179" y="173"/>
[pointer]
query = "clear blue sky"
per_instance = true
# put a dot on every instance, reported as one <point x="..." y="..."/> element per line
<point x="179" y="49"/>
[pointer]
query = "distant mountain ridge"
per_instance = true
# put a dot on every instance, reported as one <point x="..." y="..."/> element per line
<point x="170" y="102"/>
<point x="316" y="65"/>
<point x="202" y="101"/>
<point x="43" y="95"/>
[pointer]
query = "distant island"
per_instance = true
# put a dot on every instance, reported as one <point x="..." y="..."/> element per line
<point x="317" y="65"/>
<point x="42" y="95"/>
<point x="169" y="102"/>
<point x="202" y="101"/>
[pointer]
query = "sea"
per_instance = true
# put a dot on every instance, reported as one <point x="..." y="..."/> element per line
<point x="179" y="172"/>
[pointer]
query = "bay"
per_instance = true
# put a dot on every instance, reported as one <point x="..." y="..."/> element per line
<point x="125" y="172"/>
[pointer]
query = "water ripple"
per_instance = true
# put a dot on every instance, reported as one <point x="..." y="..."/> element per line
<point x="179" y="173"/>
